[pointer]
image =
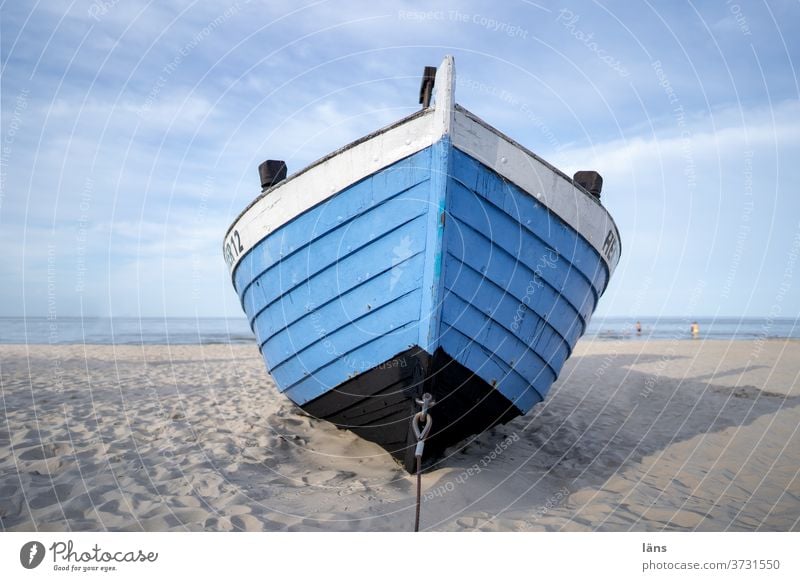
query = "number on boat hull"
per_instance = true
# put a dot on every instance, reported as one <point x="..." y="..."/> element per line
<point x="233" y="248"/>
<point x="610" y="244"/>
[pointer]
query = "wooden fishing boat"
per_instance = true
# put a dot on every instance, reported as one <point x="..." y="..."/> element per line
<point x="437" y="256"/>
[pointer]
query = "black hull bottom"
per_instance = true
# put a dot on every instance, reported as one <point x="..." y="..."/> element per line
<point x="378" y="404"/>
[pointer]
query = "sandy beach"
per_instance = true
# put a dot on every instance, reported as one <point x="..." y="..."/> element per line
<point x="642" y="436"/>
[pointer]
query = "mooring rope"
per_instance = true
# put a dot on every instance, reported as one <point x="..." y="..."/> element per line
<point x="424" y="417"/>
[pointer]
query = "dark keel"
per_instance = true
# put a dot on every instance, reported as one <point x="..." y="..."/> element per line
<point x="378" y="404"/>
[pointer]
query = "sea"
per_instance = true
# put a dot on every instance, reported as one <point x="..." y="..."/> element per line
<point x="125" y="330"/>
<point x="210" y="330"/>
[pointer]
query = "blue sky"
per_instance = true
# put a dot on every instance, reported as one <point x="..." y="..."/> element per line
<point x="131" y="133"/>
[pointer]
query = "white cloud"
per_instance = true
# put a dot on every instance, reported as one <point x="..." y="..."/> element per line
<point x="776" y="127"/>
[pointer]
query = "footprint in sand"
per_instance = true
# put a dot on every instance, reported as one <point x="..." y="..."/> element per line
<point x="51" y="496"/>
<point x="329" y="478"/>
<point x="45" y="451"/>
<point x="469" y="523"/>
<point x="218" y="524"/>
<point x="247" y="523"/>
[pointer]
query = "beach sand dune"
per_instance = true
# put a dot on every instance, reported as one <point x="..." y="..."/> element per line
<point x="659" y="435"/>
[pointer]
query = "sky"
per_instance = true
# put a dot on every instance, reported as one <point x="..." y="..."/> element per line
<point x="131" y="133"/>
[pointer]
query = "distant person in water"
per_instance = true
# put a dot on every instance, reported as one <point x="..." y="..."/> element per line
<point x="695" y="329"/>
<point x="638" y="328"/>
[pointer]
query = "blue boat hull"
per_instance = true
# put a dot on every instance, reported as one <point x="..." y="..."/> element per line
<point x="432" y="274"/>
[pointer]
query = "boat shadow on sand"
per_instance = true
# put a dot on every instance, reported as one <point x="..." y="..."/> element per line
<point x="598" y="421"/>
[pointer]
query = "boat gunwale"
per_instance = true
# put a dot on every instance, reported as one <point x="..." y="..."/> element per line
<point x="329" y="156"/>
<point x="474" y="118"/>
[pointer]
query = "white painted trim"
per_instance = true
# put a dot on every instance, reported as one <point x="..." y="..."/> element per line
<point x="549" y="186"/>
<point x="322" y="180"/>
<point x="444" y="96"/>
